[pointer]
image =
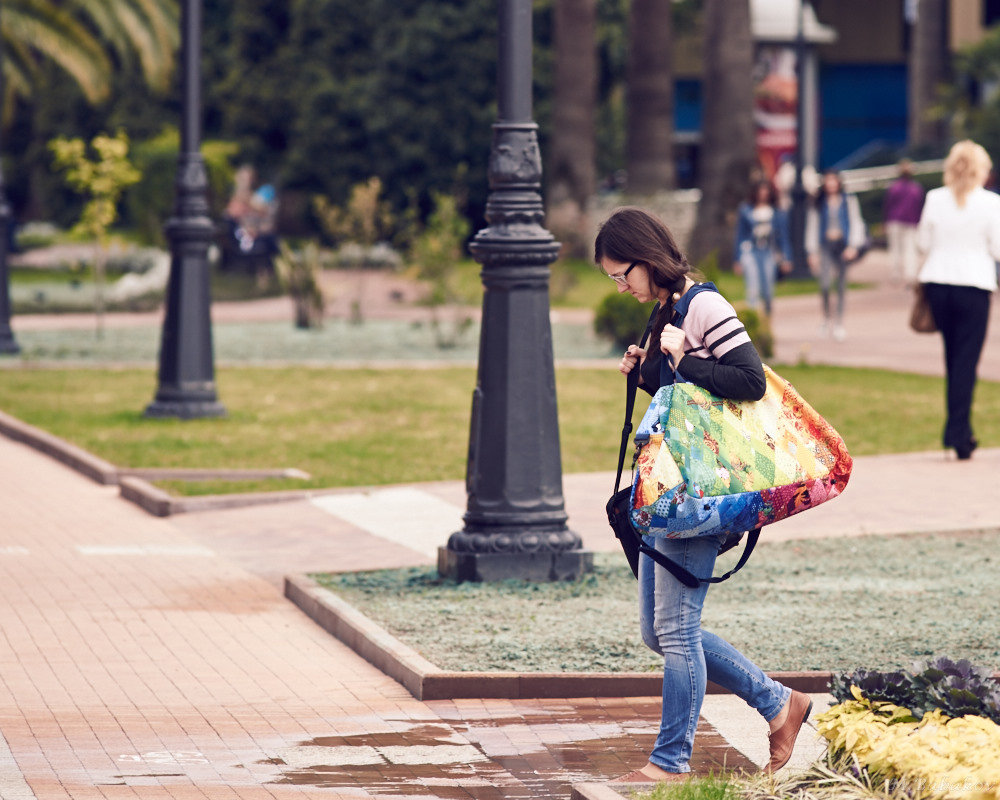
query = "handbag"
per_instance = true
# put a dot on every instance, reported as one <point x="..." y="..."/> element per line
<point x="707" y="465"/>
<point x="619" y="506"/>
<point x="921" y="318"/>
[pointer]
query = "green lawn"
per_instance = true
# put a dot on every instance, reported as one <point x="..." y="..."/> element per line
<point x="356" y="427"/>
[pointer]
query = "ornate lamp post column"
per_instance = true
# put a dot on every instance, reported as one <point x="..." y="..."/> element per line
<point x="187" y="374"/>
<point x="515" y="522"/>
<point x="8" y="344"/>
<point x="797" y="228"/>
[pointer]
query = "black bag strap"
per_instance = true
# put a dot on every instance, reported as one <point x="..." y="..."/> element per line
<point x="631" y="387"/>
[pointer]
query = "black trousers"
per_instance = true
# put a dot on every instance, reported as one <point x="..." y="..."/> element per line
<point x="961" y="314"/>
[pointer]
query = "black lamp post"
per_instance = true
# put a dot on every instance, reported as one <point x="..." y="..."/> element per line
<point x="800" y="264"/>
<point x="515" y="522"/>
<point x="186" y="386"/>
<point x="8" y="344"/>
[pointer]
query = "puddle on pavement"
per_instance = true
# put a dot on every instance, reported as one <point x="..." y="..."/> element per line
<point x="531" y="751"/>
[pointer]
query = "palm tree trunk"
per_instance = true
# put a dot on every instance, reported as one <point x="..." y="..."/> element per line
<point x="728" y="149"/>
<point x="650" y="97"/>
<point x="572" y="161"/>
<point x="928" y="68"/>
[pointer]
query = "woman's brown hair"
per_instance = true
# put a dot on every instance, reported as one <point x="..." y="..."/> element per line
<point x="632" y="234"/>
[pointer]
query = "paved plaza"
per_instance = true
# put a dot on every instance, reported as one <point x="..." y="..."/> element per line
<point x="157" y="658"/>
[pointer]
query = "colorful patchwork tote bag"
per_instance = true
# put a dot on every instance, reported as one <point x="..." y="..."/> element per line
<point x="706" y="465"/>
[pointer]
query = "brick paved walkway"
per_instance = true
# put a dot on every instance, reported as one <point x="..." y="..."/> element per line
<point x="150" y="658"/>
<point x="139" y="661"/>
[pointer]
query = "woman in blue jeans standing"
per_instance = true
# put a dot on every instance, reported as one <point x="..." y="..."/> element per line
<point x="638" y="252"/>
<point x="762" y="243"/>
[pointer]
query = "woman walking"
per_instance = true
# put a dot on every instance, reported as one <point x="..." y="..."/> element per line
<point x="959" y="232"/>
<point x="761" y="243"/>
<point x="713" y="350"/>
<point x="835" y="233"/>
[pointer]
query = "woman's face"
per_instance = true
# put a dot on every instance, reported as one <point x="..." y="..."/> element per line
<point x="831" y="184"/>
<point x="636" y="283"/>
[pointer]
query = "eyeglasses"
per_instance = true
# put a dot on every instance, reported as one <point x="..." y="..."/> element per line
<point x="622" y="279"/>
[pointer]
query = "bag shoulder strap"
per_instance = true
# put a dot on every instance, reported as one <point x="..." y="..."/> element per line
<point x="631" y="387"/>
<point x="677" y="317"/>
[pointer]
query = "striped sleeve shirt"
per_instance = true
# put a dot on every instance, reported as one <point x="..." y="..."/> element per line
<point x="711" y="328"/>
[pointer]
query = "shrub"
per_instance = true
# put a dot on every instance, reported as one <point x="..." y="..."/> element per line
<point x="935" y="756"/>
<point x="149" y="204"/>
<point x="758" y="327"/>
<point x="621" y="319"/>
<point x="955" y="687"/>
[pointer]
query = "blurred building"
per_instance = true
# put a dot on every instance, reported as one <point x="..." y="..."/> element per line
<point x="858" y="71"/>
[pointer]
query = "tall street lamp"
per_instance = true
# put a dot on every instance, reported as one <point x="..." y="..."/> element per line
<point x="186" y="386"/>
<point x="515" y="522"/>
<point x="8" y="344"/>
<point x="800" y="265"/>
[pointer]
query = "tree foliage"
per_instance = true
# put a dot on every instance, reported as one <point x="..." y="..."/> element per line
<point x="87" y="39"/>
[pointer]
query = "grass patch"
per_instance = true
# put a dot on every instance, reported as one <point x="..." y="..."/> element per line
<point x="358" y="427"/>
<point x="711" y="787"/>
<point x="881" y="602"/>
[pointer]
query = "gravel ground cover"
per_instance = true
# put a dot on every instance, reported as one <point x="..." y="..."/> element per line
<point x="832" y="604"/>
<point x="261" y="342"/>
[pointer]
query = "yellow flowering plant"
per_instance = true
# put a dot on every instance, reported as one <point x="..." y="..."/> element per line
<point x="935" y="756"/>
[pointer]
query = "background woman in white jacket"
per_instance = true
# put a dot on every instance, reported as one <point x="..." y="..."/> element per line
<point x="959" y="232"/>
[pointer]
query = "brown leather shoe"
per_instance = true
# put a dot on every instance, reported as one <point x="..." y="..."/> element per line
<point x="782" y="741"/>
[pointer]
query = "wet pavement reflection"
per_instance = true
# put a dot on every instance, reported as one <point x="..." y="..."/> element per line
<point x="485" y="749"/>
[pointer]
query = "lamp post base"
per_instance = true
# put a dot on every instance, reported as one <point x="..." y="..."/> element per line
<point x="185" y="409"/>
<point x="9" y="346"/>
<point x="541" y="567"/>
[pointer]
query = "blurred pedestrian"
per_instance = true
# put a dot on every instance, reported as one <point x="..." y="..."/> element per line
<point x="835" y="234"/>
<point x="901" y="208"/>
<point x="959" y="234"/>
<point x="712" y="349"/>
<point x="762" y="244"/>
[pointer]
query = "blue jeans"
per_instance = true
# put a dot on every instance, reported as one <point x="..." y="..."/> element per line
<point x="670" y="620"/>
<point x="760" y="271"/>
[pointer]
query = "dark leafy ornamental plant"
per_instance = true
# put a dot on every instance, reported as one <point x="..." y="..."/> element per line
<point x="955" y="687"/>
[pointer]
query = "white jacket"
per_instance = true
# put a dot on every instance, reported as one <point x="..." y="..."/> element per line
<point x="962" y="245"/>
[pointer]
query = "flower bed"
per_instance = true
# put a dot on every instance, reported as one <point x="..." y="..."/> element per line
<point x="931" y="732"/>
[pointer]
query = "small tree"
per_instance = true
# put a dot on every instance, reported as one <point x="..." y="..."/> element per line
<point x="436" y="254"/>
<point x="298" y="273"/>
<point x="102" y="179"/>
<point x="364" y="221"/>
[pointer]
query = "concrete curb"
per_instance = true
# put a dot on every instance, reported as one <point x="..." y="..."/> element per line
<point x="135" y="488"/>
<point x="425" y="681"/>
<point x="97" y="469"/>
<point x="596" y="791"/>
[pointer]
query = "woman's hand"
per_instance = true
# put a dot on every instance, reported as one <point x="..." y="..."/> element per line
<point x="672" y="343"/>
<point x="632" y="356"/>
<point x="850" y="253"/>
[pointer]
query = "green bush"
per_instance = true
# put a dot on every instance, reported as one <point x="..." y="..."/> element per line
<point x="149" y="203"/>
<point x="758" y="327"/>
<point x="621" y="319"/>
<point x="955" y="687"/>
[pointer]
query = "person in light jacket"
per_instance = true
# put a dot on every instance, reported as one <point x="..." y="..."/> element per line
<point x="959" y="232"/>
<point x="762" y="243"/>
<point x="835" y="234"/>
